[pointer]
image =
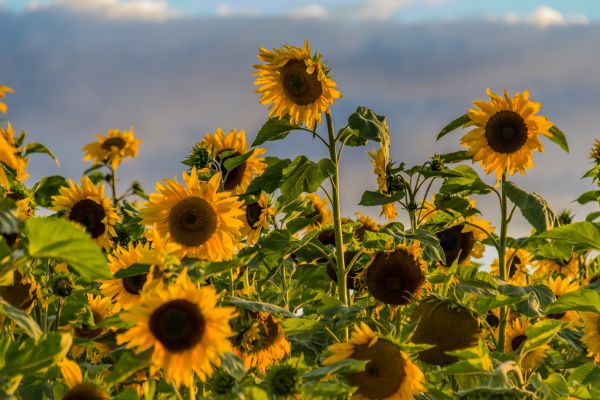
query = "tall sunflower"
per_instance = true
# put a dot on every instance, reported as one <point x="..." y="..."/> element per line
<point x="463" y="239"/>
<point x="183" y="325"/>
<point x="79" y="388"/>
<point x="591" y="333"/>
<point x="257" y="218"/>
<point x="9" y="156"/>
<point x="389" y="373"/>
<point x="87" y="206"/>
<point x="238" y="179"/>
<point x="506" y="131"/>
<point x="296" y="83"/>
<point x="112" y="148"/>
<point x="3" y="91"/>
<point x="516" y="336"/>
<point x="205" y="223"/>
<point x="379" y="159"/>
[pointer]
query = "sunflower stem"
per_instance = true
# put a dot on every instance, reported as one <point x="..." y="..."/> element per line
<point x="502" y="259"/>
<point x="337" y="220"/>
<point x="58" y="310"/>
<point x="113" y="185"/>
<point x="284" y="288"/>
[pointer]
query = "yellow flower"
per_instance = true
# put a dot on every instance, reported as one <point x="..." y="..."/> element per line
<point x="548" y="267"/>
<point x="505" y="133"/>
<point x="101" y="308"/>
<point x="78" y="388"/>
<point x="591" y="333"/>
<point x="389" y="373"/>
<point x="112" y="148"/>
<point x="379" y="159"/>
<point x="257" y="218"/>
<point x="87" y="206"/>
<point x="462" y="239"/>
<point x="205" y="223"/>
<point x="324" y="215"/>
<point x="184" y="327"/>
<point x="295" y="83"/>
<point x="559" y="287"/>
<point x="238" y="179"/>
<point x="516" y="266"/>
<point x="22" y="292"/>
<point x="515" y="337"/>
<point x="3" y="91"/>
<point x="9" y="155"/>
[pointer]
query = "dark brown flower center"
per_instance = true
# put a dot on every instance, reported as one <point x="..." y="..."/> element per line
<point x="456" y="243"/>
<point x="234" y="177"/>
<point x="89" y="214"/>
<point x="517" y="341"/>
<point x="86" y="331"/>
<point x="253" y="213"/>
<point x="18" y="294"/>
<point x="300" y="86"/>
<point x="178" y="325"/>
<point x="506" y="132"/>
<point x="395" y="278"/>
<point x="492" y="320"/>
<point x="84" y="391"/>
<point x="515" y="262"/>
<point x="113" y="142"/>
<point x="134" y="284"/>
<point x="384" y="374"/>
<point x="192" y="221"/>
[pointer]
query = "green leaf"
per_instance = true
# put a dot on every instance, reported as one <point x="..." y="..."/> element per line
<point x="303" y="175"/>
<point x="233" y="365"/>
<point x="483" y="304"/>
<point x="583" y="235"/>
<point x="454" y="157"/>
<point x="294" y="326"/>
<point x="274" y="129"/>
<point x="468" y="183"/>
<point x="133" y="270"/>
<point x="230" y="163"/>
<point x="589" y="196"/>
<point x="472" y="360"/>
<point x="351" y="137"/>
<point x="39" y="148"/>
<point x="46" y="188"/>
<point x="271" y="178"/>
<point x="537" y="297"/>
<point x="127" y="364"/>
<point x="68" y="242"/>
<point x="586" y="374"/>
<point x="28" y="357"/>
<point x="457" y="123"/>
<point x="259" y="306"/>
<point x="378" y="199"/>
<point x="21" y="319"/>
<point x="533" y="207"/>
<point x="369" y="125"/>
<point x="343" y="367"/>
<point x="559" y="138"/>
<point x="217" y="267"/>
<point x="541" y="333"/>
<point x="585" y="300"/>
<point x="9" y="223"/>
<point x="556" y="386"/>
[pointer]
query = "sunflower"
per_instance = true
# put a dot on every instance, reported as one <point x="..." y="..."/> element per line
<point x="205" y="223"/>
<point x="445" y="325"/>
<point x="591" y="333"/>
<point x="87" y="206"/>
<point x="183" y="325"/>
<point x="9" y="156"/>
<point x="505" y="133"/>
<point x="366" y="224"/>
<point x="516" y="262"/>
<point x="78" y="387"/>
<point x="260" y="340"/>
<point x="324" y="216"/>
<point x="463" y="240"/>
<point x="234" y="143"/>
<point x="112" y="148"/>
<point x="549" y="267"/>
<point x="22" y="292"/>
<point x="560" y="286"/>
<point x="379" y="159"/>
<point x="595" y="151"/>
<point x="389" y="373"/>
<point x="396" y="277"/>
<point x="3" y="91"/>
<point x="515" y="337"/>
<point x="101" y="308"/>
<point x="257" y="218"/>
<point x="295" y="83"/>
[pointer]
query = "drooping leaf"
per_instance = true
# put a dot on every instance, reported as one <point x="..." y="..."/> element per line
<point x="457" y="123"/>
<point x="592" y="195"/>
<point x="537" y="297"/>
<point x="370" y="198"/>
<point x="559" y="138"/>
<point x="259" y="306"/>
<point x="35" y="147"/>
<point x="351" y="137"/>
<point x="46" y="188"/>
<point x="28" y="356"/>
<point x="303" y="175"/>
<point x="370" y="126"/>
<point x="583" y="235"/>
<point x="585" y="300"/>
<point x="21" y="319"/>
<point x="533" y="207"/>
<point x="274" y="129"/>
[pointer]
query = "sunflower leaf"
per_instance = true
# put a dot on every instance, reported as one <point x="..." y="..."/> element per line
<point x="274" y="129"/>
<point x="40" y="148"/>
<point x="370" y="198"/>
<point x="259" y="306"/>
<point x="128" y="363"/>
<point x="133" y="270"/>
<point x="541" y="333"/>
<point x="583" y="235"/>
<point x="592" y="195"/>
<point x="9" y="223"/>
<point x="271" y="178"/>
<point x="370" y="126"/>
<point x="30" y="356"/>
<point x="20" y="318"/>
<point x="533" y="207"/>
<point x="46" y="188"/>
<point x="585" y="300"/>
<point x="344" y="366"/>
<point x="457" y="123"/>
<point x="559" y="138"/>
<point x="230" y="163"/>
<point x="468" y="182"/>
<point x="303" y="175"/>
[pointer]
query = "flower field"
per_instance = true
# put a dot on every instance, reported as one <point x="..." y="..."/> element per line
<point x="241" y="278"/>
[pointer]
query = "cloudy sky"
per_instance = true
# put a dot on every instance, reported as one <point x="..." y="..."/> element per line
<point x="177" y="69"/>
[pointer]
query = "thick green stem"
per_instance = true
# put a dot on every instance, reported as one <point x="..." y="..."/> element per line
<point x="502" y="259"/>
<point x="284" y="288"/>
<point x="113" y="185"/>
<point x="337" y="219"/>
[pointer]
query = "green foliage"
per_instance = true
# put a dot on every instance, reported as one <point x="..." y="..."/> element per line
<point x="46" y="188"/>
<point x="369" y="125"/>
<point x="468" y="182"/>
<point x="457" y="123"/>
<point x="303" y="175"/>
<point x="274" y="129"/>
<point x="558" y="137"/>
<point x="21" y="319"/>
<point x="584" y="300"/>
<point x="582" y="235"/>
<point x="533" y="207"/>
<point x="30" y="356"/>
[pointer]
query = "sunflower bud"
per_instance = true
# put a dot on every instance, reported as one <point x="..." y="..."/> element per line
<point x="221" y="383"/>
<point x="62" y="287"/>
<point x="437" y="163"/>
<point x="199" y="158"/>
<point x="565" y="217"/>
<point x="283" y="380"/>
<point x="395" y="183"/>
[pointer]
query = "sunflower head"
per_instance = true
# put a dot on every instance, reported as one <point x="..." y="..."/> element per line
<point x="517" y="262"/>
<point x="595" y="151"/>
<point x="591" y="333"/>
<point x="397" y="277"/>
<point x="295" y="82"/>
<point x="559" y="287"/>
<point x="324" y="216"/>
<point x="515" y="337"/>
<point x="10" y="155"/>
<point x="101" y="308"/>
<point x="505" y="132"/>
<point x="456" y="244"/>
<point x="22" y="293"/>
<point x="3" y="91"/>
<point x="386" y="183"/>
<point x="112" y="148"/>
<point x="257" y="218"/>
<point x="78" y="387"/>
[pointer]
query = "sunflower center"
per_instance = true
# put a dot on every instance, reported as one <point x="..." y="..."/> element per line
<point x="86" y="331"/>
<point x="113" y="142"/>
<point x="517" y="342"/>
<point x="394" y="278"/>
<point x="384" y="374"/>
<point x="134" y="284"/>
<point x="492" y="320"/>
<point x="455" y="243"/>
<point x="253" y="213"/>
<point x="18" y="294"/>
<point x="506" y="132"/>
<point x="234" y="177"/>
<point x="300" y="86"/>
<point x="514" y="263"/>
<point x="89" y="214"/>
<point x="192" y="221"/>
<point x="84" y="391"/>
<point x="178" y="325"/>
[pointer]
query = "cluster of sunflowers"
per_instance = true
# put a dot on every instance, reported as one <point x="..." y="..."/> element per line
<point x="240" y="281"/>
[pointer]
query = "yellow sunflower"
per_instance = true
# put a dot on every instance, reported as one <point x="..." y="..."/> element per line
<point x="324" y="215"/>
<point x="505" y="133"/>
<point x="3" y="91"/>
<point x="295" y="83"/>
<point x="260" y="341"/>
<point x="591" y="333"/>
<point x="560" y="286"/>
<point x="548" y="267"/>
<point x="112" y="148"/>
<point x="101" y="308"/>
<point x="87" y="206"/>
<point x="22" y="292"/>
<point x="205" y="223"/>
<point x="78" y="387"/>
<point x="379" y="159"/>
<point x="462" y="239"/>
<point x="516" y="336"/>
<point x="517" y="263"/>
<point x="389" y="373"/>
<point x="257" y="218"/>
<point x="9" y="155"/>
<point x="183" y="325"/>
<point x="238" y="179"/>
<point x="595" y="151"/>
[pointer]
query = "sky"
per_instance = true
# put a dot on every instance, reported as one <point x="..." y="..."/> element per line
<point x="179" y="69"/>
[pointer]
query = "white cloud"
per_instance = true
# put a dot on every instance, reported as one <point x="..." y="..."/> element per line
<point x="151" y="10"/>
<point x="374" y="9"/>
<point x="313" y="10"/>
<point x="225" y="10"/>
<point x="546" y="16"/>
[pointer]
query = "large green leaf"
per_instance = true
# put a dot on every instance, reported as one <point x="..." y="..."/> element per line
<point x="592" y="195"/>
<point x="127" y="364"/>
<point x="303" y="175"/>
<point x="46" y="188"/>
<point x="21" y="319"/>
<point x="533" y="207"/>
<point x="370" y="125"/>
<point x="559" y="138"/>
<point x="457" y="123"/>
<point x="345" y="366"/>
<point x="35" y="147"/>
<point x="378" y="199"/>
<point x="271" y="178"/>
<point x="472" y="360"/>
<point x="273" y="129"/>
<point x="259" y="306"/>
<point x="9" y="223"/>
<point x="541" y="333"/>
<point x="468" y="182"/>
<point x="28" y="357"/>
<point x="68" y="242"/>
<point x="585" y="300"/>
<point x="583" y="235"/>
<point x="537" y="297"/>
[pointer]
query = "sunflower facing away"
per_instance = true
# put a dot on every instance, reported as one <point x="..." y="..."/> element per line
<point x="505" y="133"/>
<point x="516" y="336"/>
<point x="204" y="222"/>
<point x="379" y="159"/>
<point x="517" y="262"/>
<point x="9" y="155"/>
<point x="87" y="206"/>
<point x="389" y="373"/>
<point x="591" y="333"/>
<point x="183" y="325"/>
<point x="293" y="82"/>
<point x="3" y="91"/>
<point x="257" y="218"/>
<point x="78" y="387"/>
<point x="238" y="179"/>
<point x="112" y="148"/>
<point x="324" y="216"/>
